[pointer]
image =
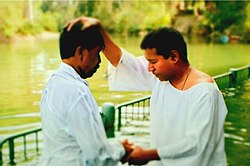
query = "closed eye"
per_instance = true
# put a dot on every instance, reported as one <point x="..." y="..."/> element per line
<point x="152" y="62"/>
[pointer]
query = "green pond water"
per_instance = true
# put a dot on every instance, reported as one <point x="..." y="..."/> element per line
<point x="26" y="66"/>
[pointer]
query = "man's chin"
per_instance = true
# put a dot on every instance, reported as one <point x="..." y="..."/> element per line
<point x="157" y="76"/>
<point x="87" y="76"/>
<point x="160" y="78"/>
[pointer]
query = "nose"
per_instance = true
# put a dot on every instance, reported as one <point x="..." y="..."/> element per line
<point x="150" y="67"/>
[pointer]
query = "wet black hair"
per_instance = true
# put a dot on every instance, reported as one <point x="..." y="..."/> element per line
<point x="78" y="36"/>
<point x="164" y="40"/>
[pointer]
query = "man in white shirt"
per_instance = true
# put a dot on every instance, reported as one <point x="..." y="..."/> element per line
<point x="187" y="110"/>
<point x="72" y="126"/>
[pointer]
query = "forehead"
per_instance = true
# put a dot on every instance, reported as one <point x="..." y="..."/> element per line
<point x="150" y="53"/>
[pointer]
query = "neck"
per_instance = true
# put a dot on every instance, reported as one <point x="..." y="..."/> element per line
<point x="70" y="62"/>
<point x="67" y="61"/>
<point x="181" y="77"/>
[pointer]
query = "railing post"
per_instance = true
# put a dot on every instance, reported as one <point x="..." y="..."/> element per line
<point x="1" y="153"/>
<point x="248" y="71"/>
<point x="108" y="110"/>
<point x="25" y="147"/>
<point x="37" y="146"/>
<point x="233" y="80"/>
<point x="119" y="118"/>
<point x="12" y="152"/>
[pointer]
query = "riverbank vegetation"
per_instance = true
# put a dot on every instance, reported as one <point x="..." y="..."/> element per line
<point x="209" y="19"/>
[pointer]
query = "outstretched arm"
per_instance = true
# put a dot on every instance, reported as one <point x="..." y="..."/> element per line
<point x="112" y="51"/>
<point x="121" y="78"/>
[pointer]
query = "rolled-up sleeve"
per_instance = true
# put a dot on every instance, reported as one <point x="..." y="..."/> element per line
<point x="131" y="74"/>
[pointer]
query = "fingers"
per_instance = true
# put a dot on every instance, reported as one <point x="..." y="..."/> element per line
<point x="128" y="150"/>
<point x="86" y="21"/>
<point x="124" y="141"/>
<point x="73" y="22"/>
<point x="128" y="159"/>
<point x="124" y="160"/>
<point x="132" y="160"/>
<point x="137" y="157"/>
<point x="127" y="143"/>
<point x="70" y="25"/>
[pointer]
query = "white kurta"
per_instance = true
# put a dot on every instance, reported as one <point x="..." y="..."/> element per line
<point x="72" y="126"/>
<point x="186" y="126"/>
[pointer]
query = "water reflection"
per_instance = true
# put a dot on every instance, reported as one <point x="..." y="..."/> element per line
<point x="25" y="68"/>
<point x="237" y="126"/>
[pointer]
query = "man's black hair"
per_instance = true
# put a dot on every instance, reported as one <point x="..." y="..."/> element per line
<point x="165" y="40"/>
<point x="78" y="36"/>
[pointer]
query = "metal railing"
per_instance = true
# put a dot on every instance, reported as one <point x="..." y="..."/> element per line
<point x="232" y="78"/>
<point x="13" y="141"/>
<point x="239" y="75"/>
<point x="11" y="144"/>
<point x="223" y="80"/>
<point x="133" y="110"/>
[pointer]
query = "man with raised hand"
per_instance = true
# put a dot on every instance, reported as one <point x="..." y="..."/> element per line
<point x="187" y="110"/>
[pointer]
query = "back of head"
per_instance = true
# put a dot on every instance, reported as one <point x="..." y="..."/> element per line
<point x="165" y="40"/>
<point x="78" y="36"/>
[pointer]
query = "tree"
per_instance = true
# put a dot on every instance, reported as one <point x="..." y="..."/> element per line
<point x="222" y="15"/>
<point x="85" y="8"/>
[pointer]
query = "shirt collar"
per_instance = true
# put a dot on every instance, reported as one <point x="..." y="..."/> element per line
<point x="71" y="71"/>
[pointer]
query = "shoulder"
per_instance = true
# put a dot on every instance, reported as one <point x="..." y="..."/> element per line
<point x="202" y="82"/>
<point x="69" y="87"/>
<point x="203" y="92"/>
<point x="199" y="77"/>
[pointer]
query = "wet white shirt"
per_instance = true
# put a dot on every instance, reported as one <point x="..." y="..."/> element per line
<point x="72" y="126"/>
<point x="186" y="127"/>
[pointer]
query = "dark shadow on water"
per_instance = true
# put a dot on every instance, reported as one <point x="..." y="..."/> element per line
<point x="237" y="126"/>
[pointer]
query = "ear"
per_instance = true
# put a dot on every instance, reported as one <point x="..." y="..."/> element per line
<point x="80" y="51"/>
<point x="174" y="56"/>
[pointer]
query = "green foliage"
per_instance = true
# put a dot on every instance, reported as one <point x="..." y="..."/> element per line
<point x="107" y="13"/>
<point x="54" y="6"/>
<point x="49" y="21"/>
<point x="230" y="14"/>
<point x="246" y="36"/>
<point x="130" y="17"/>
<point x="15" y="19"/>
<point x="29" y="28"/>
<point x="123" y="17"/>
<point x="11" y="17"/>
<point x="248" y="16"/>
<point x="56" y="14"/>
<point x="85" y="8"/>
<point x="162" y="19"/>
